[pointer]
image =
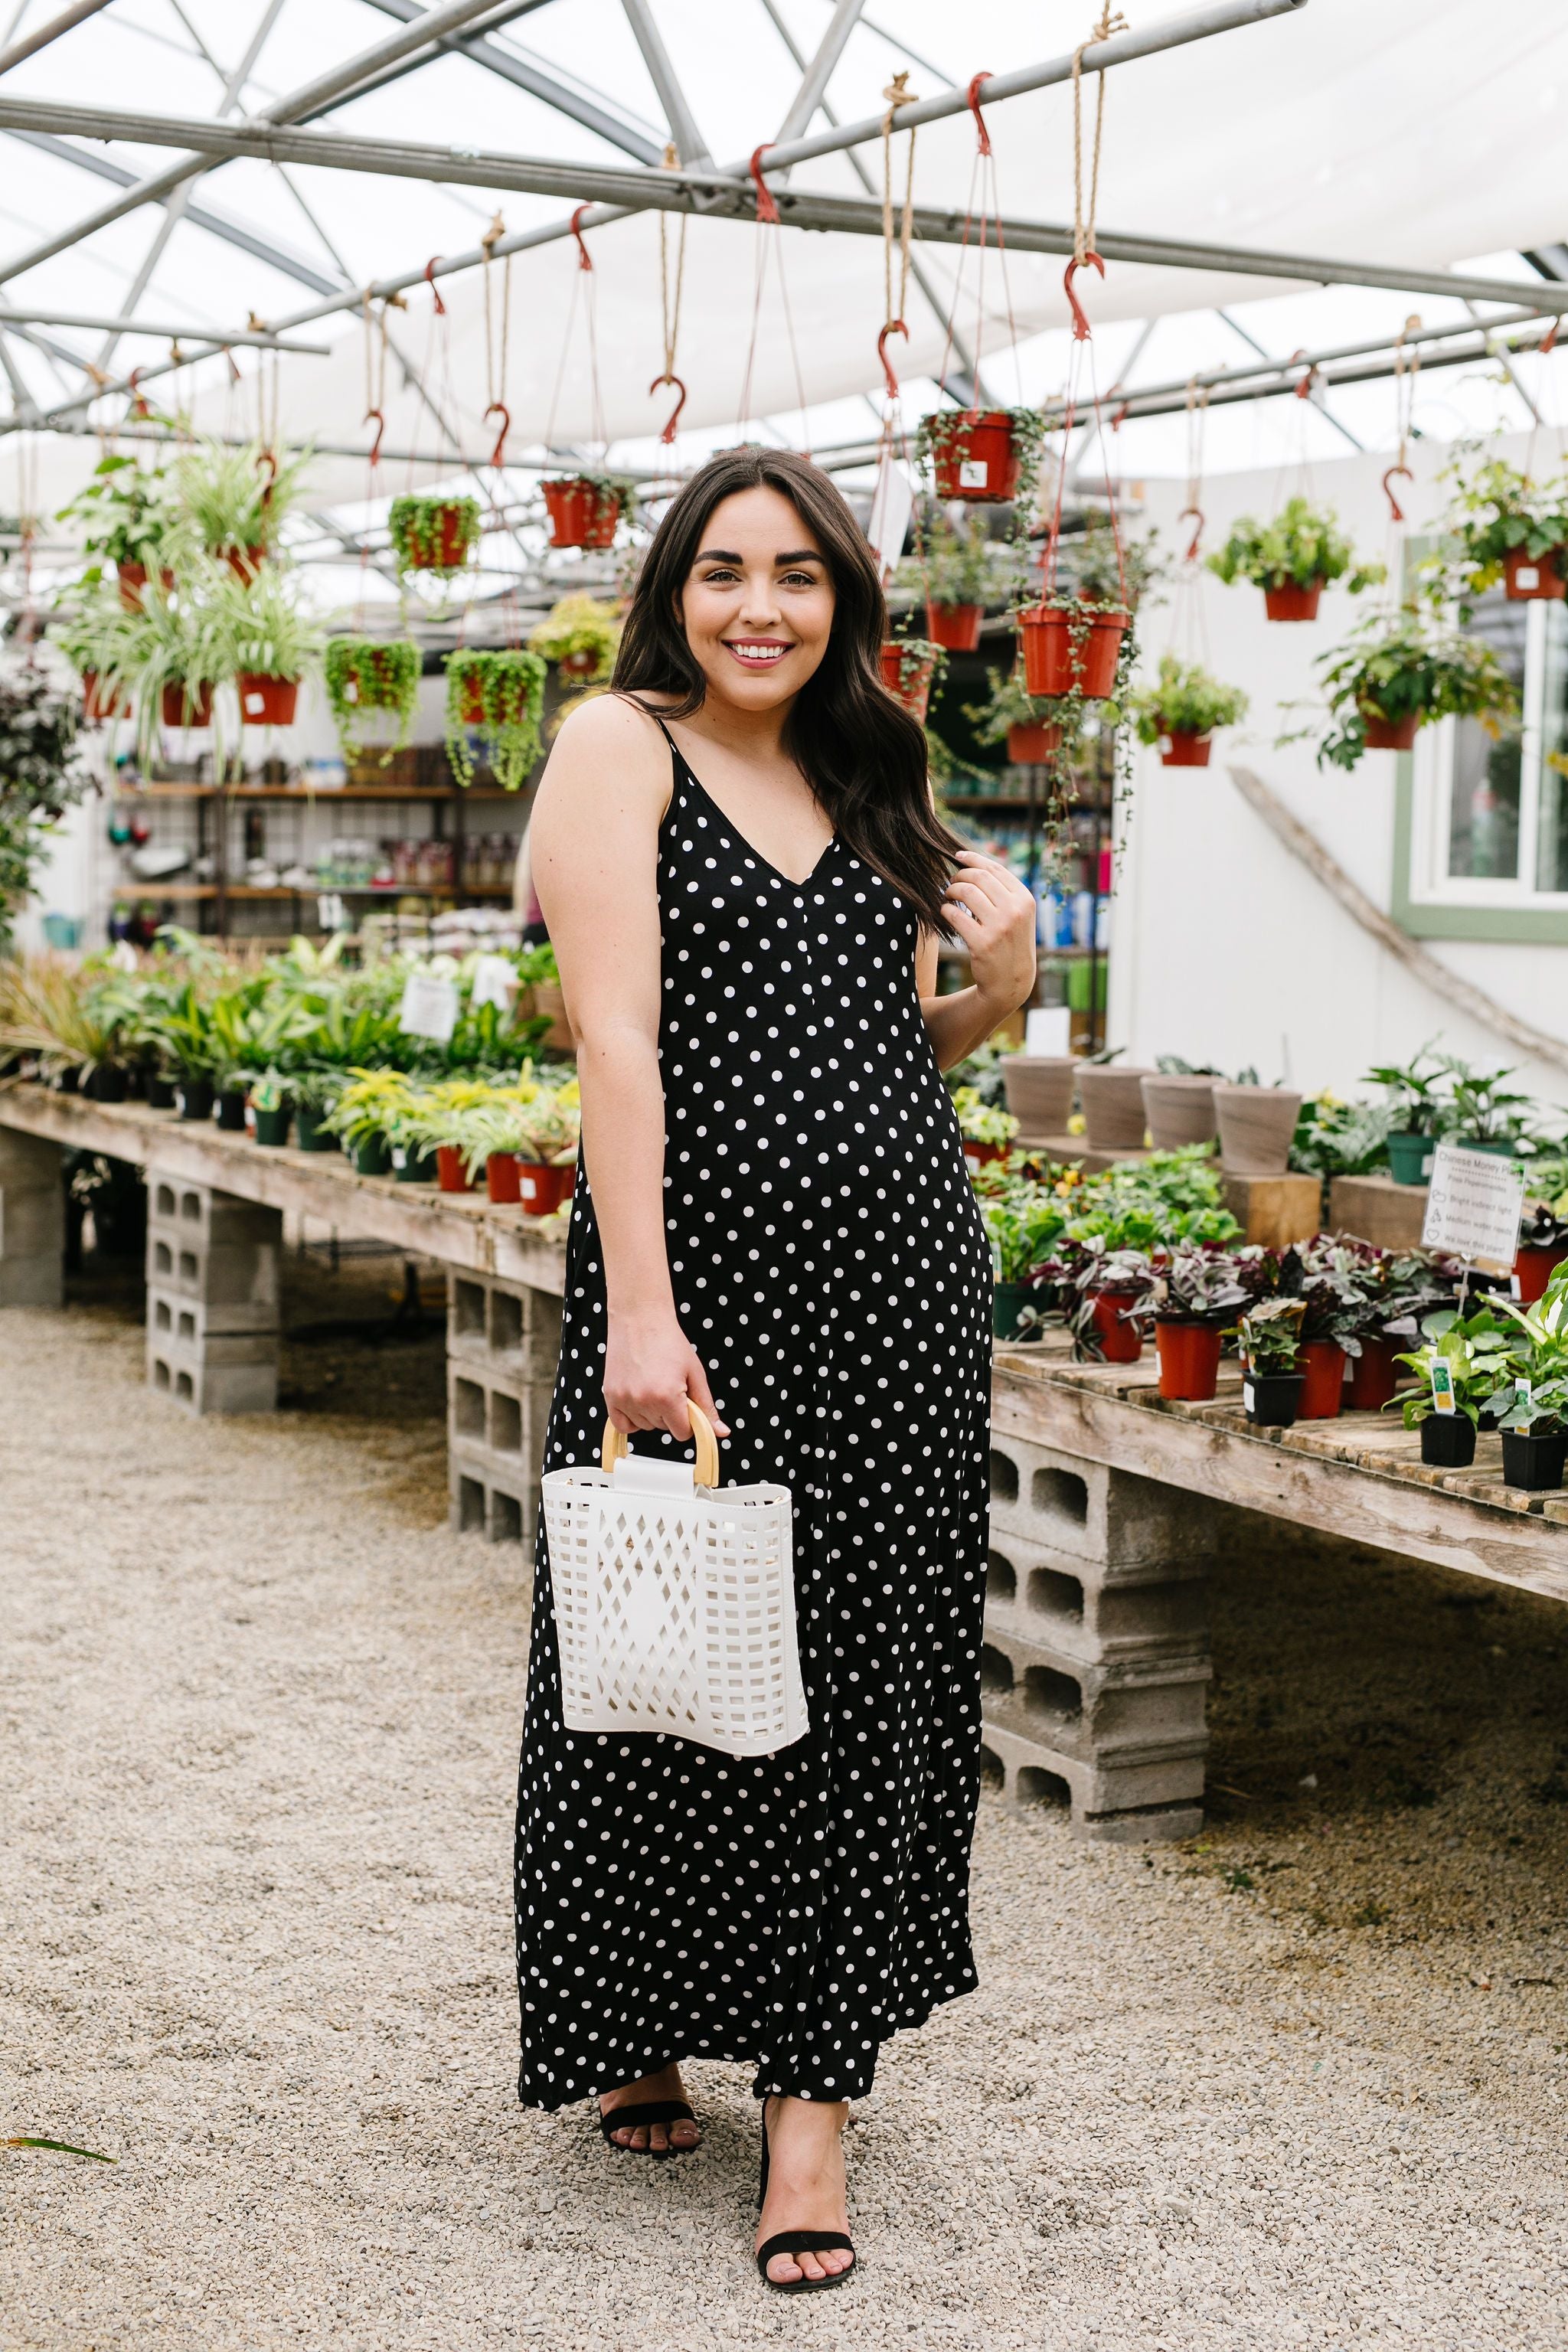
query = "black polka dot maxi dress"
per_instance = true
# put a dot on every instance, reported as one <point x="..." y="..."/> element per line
<point x="831" y="1271"/>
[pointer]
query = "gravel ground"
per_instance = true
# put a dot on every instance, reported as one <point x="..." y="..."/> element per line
<point x="1300" y="2083"/>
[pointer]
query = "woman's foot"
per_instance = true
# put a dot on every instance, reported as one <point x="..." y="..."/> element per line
<point x="651" y="2139"/>
<point x="806" y="2184"/>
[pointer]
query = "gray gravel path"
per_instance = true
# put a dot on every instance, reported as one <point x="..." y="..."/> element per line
<point x="1301" y="2083"/>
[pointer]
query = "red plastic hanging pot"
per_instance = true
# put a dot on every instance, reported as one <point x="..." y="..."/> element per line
<point x="133" y="578"/>
<point x="1028" y="747"/>
<point x="975" y="457"/>
<point x="1069" y="645"/>
<point x="581" y="513"/>
<point x="501" y="1176"/>
<point x="99" y="702"/>
<point x="267" y="701"/>
<point x="245" y="563"/>
<point x="447" y="549"/>
<point x="1189" y="1356"/>
<point x="473" y="703"/>
<point x="909" y="676"/>
<point x="1183" y="750"/>
<point x="954" y="626"/>
<point x="185" y="706"/>
<point x="1529" y="577"/>
<point x="1322" y="1390"/>
<point x="580" y="664"/>
<point x="541" y="1188"/>
<point x="1374" y="1375"/>
<point x="1288" y="603"/>
<point x="451" y="1170"/>
<point x="1119" y="1341"/>
<point x="1532" y="1271"/>
<point x="1391" y="734"/>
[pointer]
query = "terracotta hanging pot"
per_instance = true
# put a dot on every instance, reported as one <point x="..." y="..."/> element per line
<point x="582" y="513"/>
<point x="1189" y="1356"/>
<point x="1529" y="577"/>
<point x="580" y="664"/>
<point x="1288" y="603"/>
<point x="245" y="563"/>
<point x="976" y="458"/>
<point x="909" y="676"/>
<point x="1038" y="1087"/>
<point x="1119" y="1340"/>
<point x="1030" y="747"/>
<point x="1323" y="1378"/>
<point x="1391" y="734"/>
<point x="446" y="547"/>
<point x="267" y="701"/>
<point x="1070" y="645"/>
<point x="1185" y="751"/>
<point x="185" y="706"/>
<point x="133" y="578"/>
<point x="954" y="626"/>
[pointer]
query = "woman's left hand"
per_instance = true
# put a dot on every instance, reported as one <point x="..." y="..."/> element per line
<point x="994" y="916"/>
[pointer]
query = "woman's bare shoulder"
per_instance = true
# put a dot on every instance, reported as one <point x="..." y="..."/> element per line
<point x="611" y="722"/>
<point x="606" y="751"/>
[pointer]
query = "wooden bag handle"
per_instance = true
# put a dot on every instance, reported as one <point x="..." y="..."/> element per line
<point x="617" y="1444"/>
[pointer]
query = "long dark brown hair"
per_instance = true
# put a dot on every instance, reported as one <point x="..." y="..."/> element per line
<point x="861" y="752"/>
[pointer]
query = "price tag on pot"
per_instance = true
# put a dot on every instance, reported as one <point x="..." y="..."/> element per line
<point x="973" y="474"/>
<point x="429" y="1006"/>
<point x="1442" y="1377"/>
<point x="1473" y="1207"/>
<point x="1248" y="1397"/>
<point x="495" y="982"/>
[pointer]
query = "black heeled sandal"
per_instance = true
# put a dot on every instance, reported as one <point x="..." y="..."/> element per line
<point x="649" y="2111"/>
<point x="798" y="2241"/>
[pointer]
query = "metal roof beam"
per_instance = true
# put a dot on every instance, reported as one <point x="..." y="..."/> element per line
<point x="92" y="323"/>
<point x="31" y="43"/>
<point x="690" y="144"/>
<point x="819" y="73"/>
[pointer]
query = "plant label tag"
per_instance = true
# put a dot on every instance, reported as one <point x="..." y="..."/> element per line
<point x="1515" y="1287"/>
<point x="892" y="504"/>
<point x="1248" y="1397"/>
<point x="399" y="1156"/>
<point x="973" y="474"/>
<point x="495" y="981"/>
<point x="429" y="1007"/>
<point x="1473" y="1208"/>
<point x="1522" y="1390"/>
<point x="254" y="703"/>
<point x="1526" y="575"/>
<point x="1442" y="1373"/>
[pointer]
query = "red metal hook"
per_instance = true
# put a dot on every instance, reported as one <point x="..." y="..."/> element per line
<point x="973" y="95"/>
<point x="893" y="327"/>
<point x="1118" y="420"/>
<point x="267" y="459"/>
<point x="584" y="259"/>
<point x="380" y="431"/>
<point x="1079" y="316"/>
<point x="766" y="209"/>
<point x="498" y="408"/>
<point x="430" y="281"/>
<point x="139" y="407"/>
<point x="1549" y="339"/>
<point x="1396" y="512"/>
<point x="1304" y="389"/>
<point x="1197" y="514"/>
<point x="668" y="435"/>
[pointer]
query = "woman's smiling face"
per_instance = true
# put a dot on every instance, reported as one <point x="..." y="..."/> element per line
<point x="757" y="605"/>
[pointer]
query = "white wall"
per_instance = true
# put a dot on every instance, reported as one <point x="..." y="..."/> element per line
<point x="1225" y="949"/>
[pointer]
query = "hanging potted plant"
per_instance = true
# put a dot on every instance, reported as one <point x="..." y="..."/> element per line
<point x="1511" y="529"/>
<point x="236" y="499"/>
<point x="366" y="674"/>
<point x="1269" y="1336"/>
<point x="1192" y="1294"/>
<point x="1105" y="564"/>
<point x="271" y="644"/>
<point x="581" y="635"/>
<point x="1293" y="559"/>
<point x="1399" y="671"/>
<point x="584" y="509"/>
<point x="1465" y="1362"/>
<point x="97" y="635"/>
<point x="1182" y="709"/>
<point x="956" y="571"/>
<point x="986" y="456"/>
<point x="1031" y="727"/>
<point x="434" y="534"/>
<point x="500" y="698"/>
<point x="1073" y="646"/>
<point x="908" y="666"/>
<point x="180" y="654"/>
<point x="128" y="522"/>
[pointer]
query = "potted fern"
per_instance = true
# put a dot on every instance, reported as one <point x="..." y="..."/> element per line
<point x="584" y="509"/>
<point x="1512" y="529"/>
<point x="987" y="457"/>
<point x="366" y="674"/>
<point x="1182" y="709"/>
<point x="500" y="698"/>
<point x="434" y="534"/>
<point x="581" y="635"/>
<point x="1398" y="671"/>
<point x="1293" y="559"/>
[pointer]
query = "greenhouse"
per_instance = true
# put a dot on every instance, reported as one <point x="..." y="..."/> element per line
<point x="783" y="1008"/>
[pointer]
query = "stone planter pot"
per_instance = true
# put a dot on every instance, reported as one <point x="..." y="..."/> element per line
<point x="1179" y="1111"/>
<point x="1256" y="1124"/>
<point x="1038" y="1087"/>
<point x="1113" y="1100"/>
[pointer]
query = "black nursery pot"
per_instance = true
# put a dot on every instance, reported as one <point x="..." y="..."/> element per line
<point x="109" y="1083"/>
<point x="194" y="1099"/>
<point x="231" y="1110"/>
<point x="1271" y="1398"/>
<point x="1534" y="1460"/>
<point x="1449" y="1441"/>
<point x="160" y="1094"/>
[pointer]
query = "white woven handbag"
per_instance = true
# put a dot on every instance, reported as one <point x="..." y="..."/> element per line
<point x="674" y="1599"/>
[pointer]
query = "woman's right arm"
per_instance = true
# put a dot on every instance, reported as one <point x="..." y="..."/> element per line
<point x="595" y="844"/>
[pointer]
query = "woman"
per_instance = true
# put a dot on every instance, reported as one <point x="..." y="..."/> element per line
<point x="773" y="1222"/>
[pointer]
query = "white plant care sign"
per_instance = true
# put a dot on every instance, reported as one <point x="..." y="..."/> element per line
<point x="1473" y="1208"/>
<point x="429" y="1006"/>
<point x="495" y="981"/>
<point x="892" y="503"/>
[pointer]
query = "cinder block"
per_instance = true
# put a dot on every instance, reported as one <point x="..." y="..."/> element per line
<point x="1123" y="1522"/>
<point x="1130" y="1712"/>
<point x="177" y="1322"/>
<point x="504" y="1508"/>
<point x="503" y="1340"/>
<point x="503" y="1325"/>
<point x="203" y="1216"/>
<point x="212" y="1297"/>
<point x="1148" y="1802"/>
<point x="203" y="1387"/>
<point x="1042" y="1594"/>
<point x="32" y="1222"/>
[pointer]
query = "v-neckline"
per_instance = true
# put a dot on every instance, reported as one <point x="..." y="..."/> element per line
<point x="745" y="841"/>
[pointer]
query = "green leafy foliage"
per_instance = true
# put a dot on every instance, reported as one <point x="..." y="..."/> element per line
<point x="507" y="689"/>
<point x="126" y="512"/>
<point x="1497" y="511"/>
<point x="1478" y="1349"/>
<point x="40" y="778"/>
<point x="582" y="631"/>
<point x="1185" y="700"/>
<point x="1409" y="665"/>
<point x="434" y="534"/>
<point x="1303" y="547"/>
<point x="1269" y="1334"/>
<point x="365" y="674"/>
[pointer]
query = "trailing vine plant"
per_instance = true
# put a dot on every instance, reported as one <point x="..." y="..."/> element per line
<point x="499" y="697"/>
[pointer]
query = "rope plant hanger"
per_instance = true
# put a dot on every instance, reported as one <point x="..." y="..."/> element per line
<point x="1186" y="702"/>
<point x="585" y="505"/>
<point x="433" y="536"/>
<point x="670" y="312"/>
<point x="770" y="247"/>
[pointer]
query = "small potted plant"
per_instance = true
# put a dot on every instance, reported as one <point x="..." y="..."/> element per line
<point x="1270" y="1338"/>
<point x="1542" y="1248"/>
<point x="1483" y="1113"/>
<point x="1023" y="1222"/>
<point x="1073" y="646"/>
<point x="1331" y="1277"/>
<point x="1106" y="1321"/>
<point x="1182" y="709"/>
<point x="271" y="644"/>
<point x="908" y="666"/>
<point x="583" y="508"/>
<point x="500" y="698"/>
<point x="986" y="1129"/>
<point x="434" y="534"/>
<point x="1415" y="1111"/>
<point x="1293" y="559"/>
<point x="1192" y="1294"/>
<point x="273" y="1111"/>
<point x="367" y="674"/>
<point x="955" y="571"/>
<point x="130" y="521"/>
<point x="314" y="1092"/>
<point x="547" y="1158"/>
<point x="1401" y="1286"/>
<point x="1396" y="672"/>
<point x="367" y="1116"/>
<point x="582" y="635"/>
<point x="1533" y="1421"/>
<point x="987" y="457"/>
<point x="1463" y="1362"/>
<point x="1511" y="529"/>
<point x="1031" y="726"/>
